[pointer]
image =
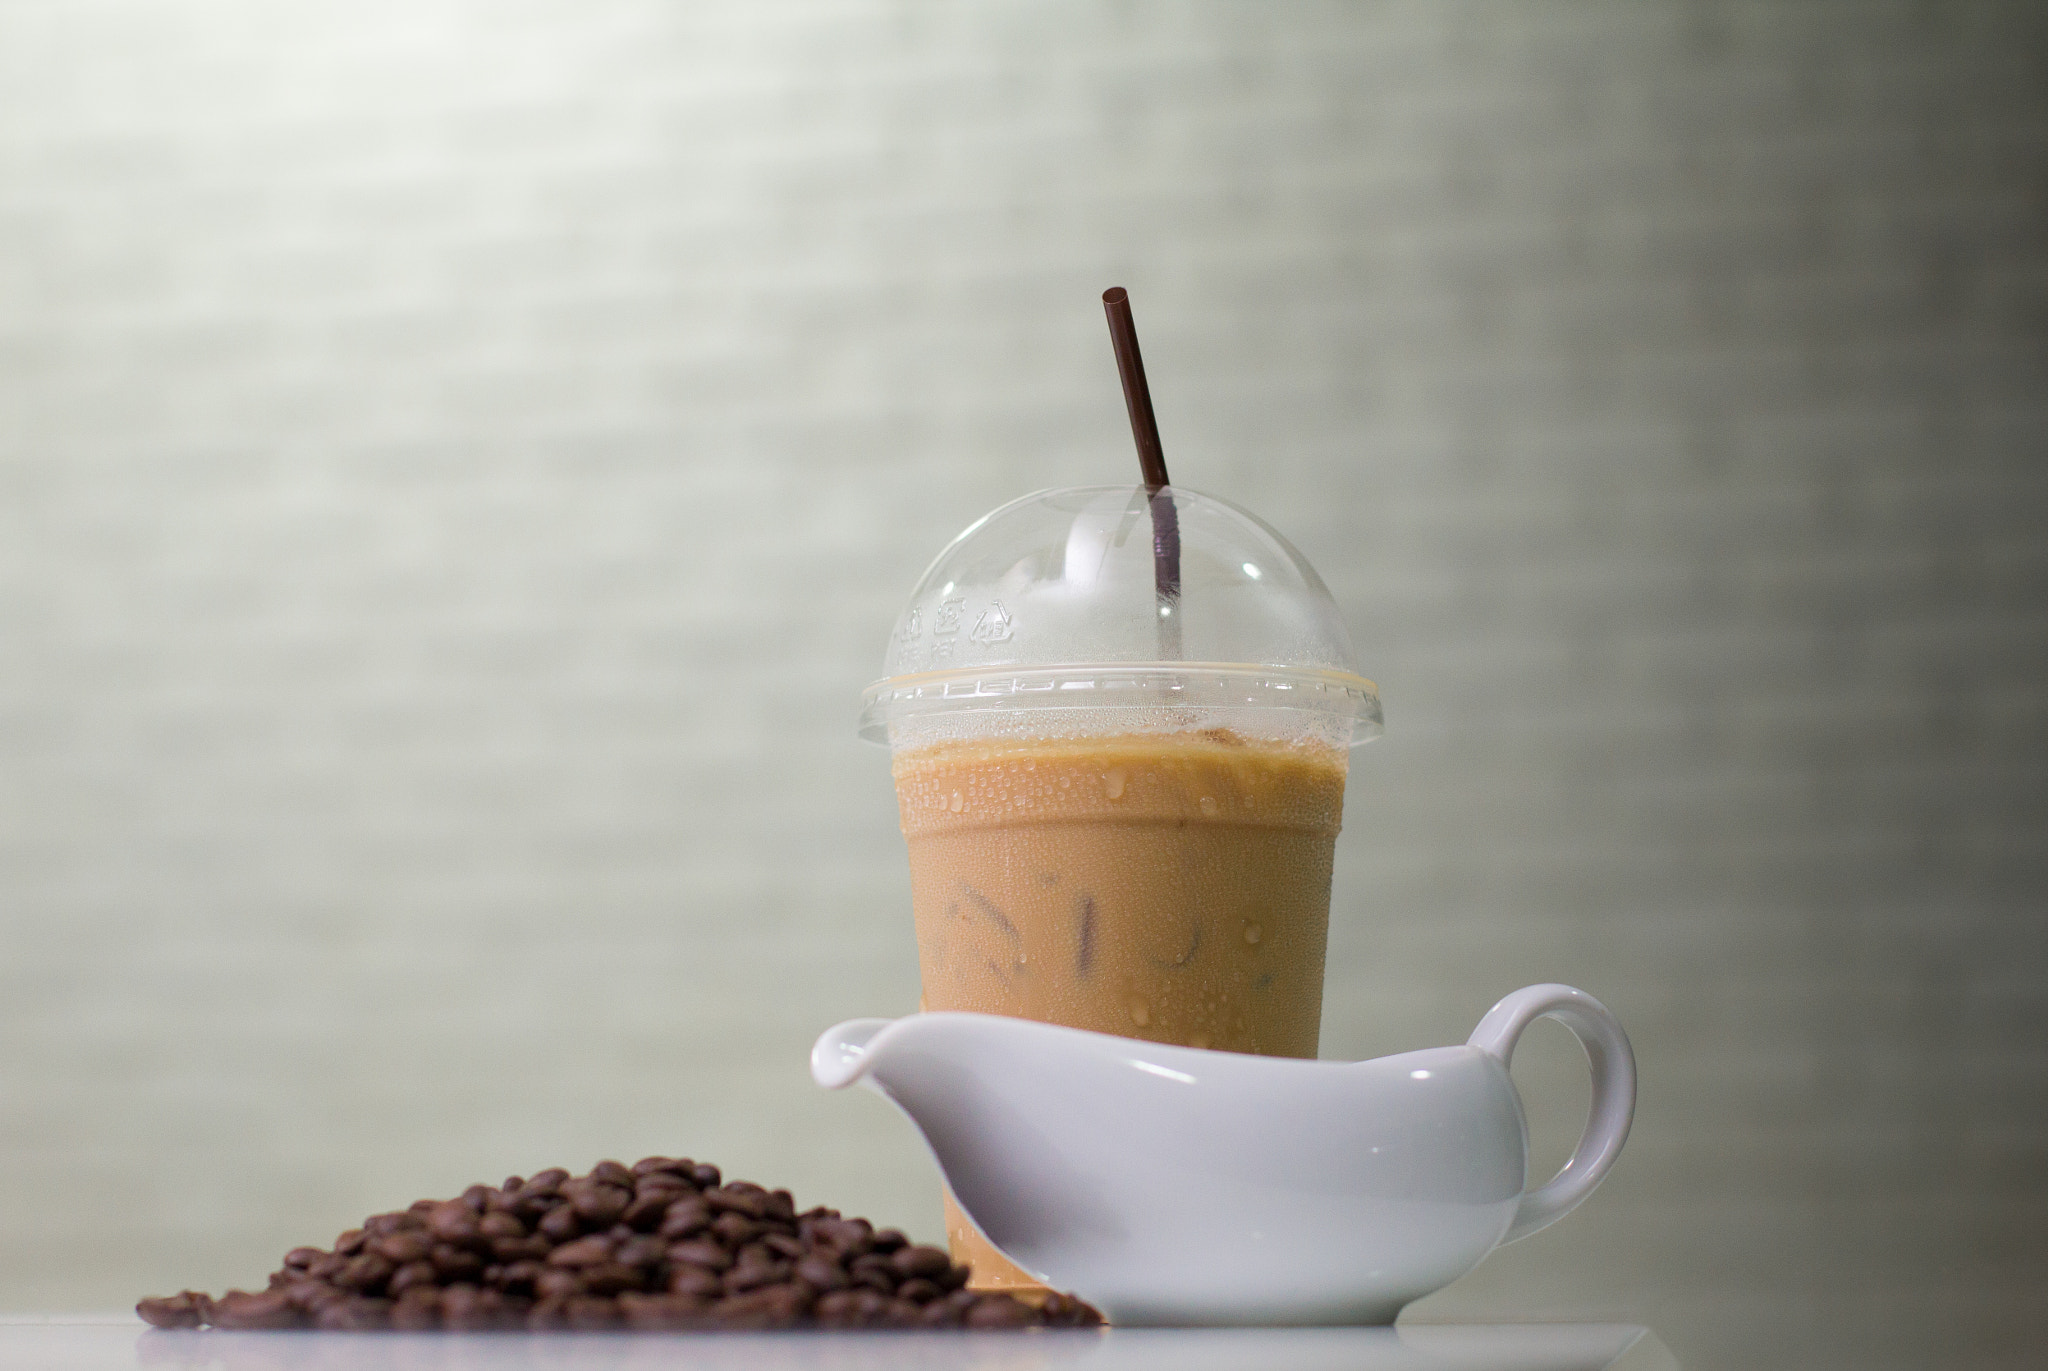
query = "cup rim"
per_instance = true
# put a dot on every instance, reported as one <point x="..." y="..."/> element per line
<point x="1113" y="685"/>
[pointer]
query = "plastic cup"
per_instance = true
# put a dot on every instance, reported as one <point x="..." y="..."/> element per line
<point x="1121" y="795"/>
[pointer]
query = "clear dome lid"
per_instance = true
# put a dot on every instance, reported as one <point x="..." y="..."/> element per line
<point x="1173" y="610"/>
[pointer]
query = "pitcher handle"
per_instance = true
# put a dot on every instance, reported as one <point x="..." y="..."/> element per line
<point x="1614" y="1091"/>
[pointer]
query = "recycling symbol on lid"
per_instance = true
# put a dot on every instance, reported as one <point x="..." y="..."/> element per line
<point x="993" y="626"/>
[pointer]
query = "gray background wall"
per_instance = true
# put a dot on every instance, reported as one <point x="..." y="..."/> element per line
<point x="459" y="462"/>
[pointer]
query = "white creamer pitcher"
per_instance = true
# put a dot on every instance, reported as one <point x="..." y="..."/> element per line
<point x="1174" y="1185"/>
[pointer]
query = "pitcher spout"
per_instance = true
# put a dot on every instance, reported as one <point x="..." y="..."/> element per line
<point x="841" y="1055"/>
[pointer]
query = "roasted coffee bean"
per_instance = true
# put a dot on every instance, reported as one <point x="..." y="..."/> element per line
<point x="418" y="1310"/>
<point x="775" y="1306"/>
<point x="739" y="1198"/>
<point x="560" y="1224"/>
<point x="455" y="1263"/>
<point x="596" y="1203"/>
<point x="850" y="1236"/>
<point x="613" y="1173"/>
<point x="920" y="1261"/>
<point x="755" y="1257"/>
<point x="518" y="1278"/>
<point x="594" y="1250"/>
<point x="704" y="1252"/>
<point x="557" y="1283"/>
<point x="873" y="1270"/>
<point x="684" y="1217"/>
<point x="531" y="1209"/>
<point x="469" y="1308"/>
<point x="660" y="1245"/>
<point x="312" y="1296"/>
<point x="495" y="1311"/>
<point x="452" y="1222"/>
<point x="264" y="1309"/>
<point x="582" y="1253"/>
<point x="352" y="1316"/>
<point x="611" y="1278"/>
<point x="591" y="1313"/>
<point x="535" y="1248"/>
<point x="696" y="1281"/>
<point x="664" y="1313"/>
<point x="1067" y="1311"/>
<point x="753" y="1275"/>
<point x="500" y="1224"/>
<point x="852" y="1309"/>
<point x="652" y="1313"/>
<point x="1001" y="1311"/>
<point x="672" y="1175"/>
<point x="734" y="1229"/>
<point x="821" y="1274"/>
<point x="644" y="1211"/>
<point x="939" y="1314"/>
<point x="365" y="1274"/>
<point x="651" y="1204"/>
<point x="835" y="1309"/>
<point x="641" y="1251"/>
<point x="172" y="1311"/>
<point x="665" y="1186"/>
<point x="783" y="1245"/>
<point x="400" y="1248"/>
<point x="411" y="1275"/>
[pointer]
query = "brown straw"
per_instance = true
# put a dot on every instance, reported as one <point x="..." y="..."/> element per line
<point x="1123" y="335"/>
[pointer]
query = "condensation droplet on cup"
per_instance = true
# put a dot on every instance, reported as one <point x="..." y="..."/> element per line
<point x="1141" y="1012"/>
<point x="1254" y="932"/>
<point x="956" y="804"/>
<point x="1208" y="803"/>
<point x="1113" y="783"/>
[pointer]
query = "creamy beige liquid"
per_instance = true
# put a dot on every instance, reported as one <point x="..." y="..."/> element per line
<point x="1174" y="887"/>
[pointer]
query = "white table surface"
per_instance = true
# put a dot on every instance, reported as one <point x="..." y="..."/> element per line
<point x="117" y="1343"/>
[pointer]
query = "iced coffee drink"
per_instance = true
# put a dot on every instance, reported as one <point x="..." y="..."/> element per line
<point x="1101" y="836"/>
<point x="1170" y="886"/>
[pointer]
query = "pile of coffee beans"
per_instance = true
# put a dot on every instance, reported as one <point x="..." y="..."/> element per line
<point x="663" y="1244"/>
